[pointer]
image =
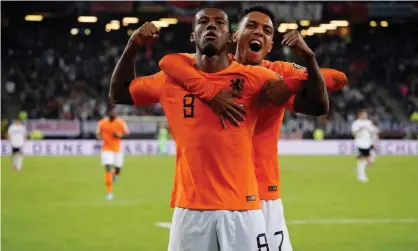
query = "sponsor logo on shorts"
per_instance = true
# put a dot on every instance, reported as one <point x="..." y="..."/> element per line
<point x="272" y="188"/>
<point x="251" y="198"/>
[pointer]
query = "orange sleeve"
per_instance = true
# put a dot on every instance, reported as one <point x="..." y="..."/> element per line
<point x="286" y="69"/>
<point x="289" y="103"/>
<point x="147" y="90"/>
<point x="180" y="67"/>
<point x="335" y="80"/>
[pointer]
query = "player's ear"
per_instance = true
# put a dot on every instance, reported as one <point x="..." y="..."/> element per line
<point x="234" y="36"/>
<point x="192" y="38"/>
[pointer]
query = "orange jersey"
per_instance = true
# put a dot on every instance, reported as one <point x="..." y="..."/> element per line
<point x="267" y="134"/>
<point x="267" y="130"/>
<point x="214" y="167"/>
<point x="107" y="128"/>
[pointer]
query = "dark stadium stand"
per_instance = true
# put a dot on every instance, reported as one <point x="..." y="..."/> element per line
<point x="52" y="74"/>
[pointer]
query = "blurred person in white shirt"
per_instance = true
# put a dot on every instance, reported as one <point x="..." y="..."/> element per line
<point x="363" y="131"/>
<point x="17" y="135"/>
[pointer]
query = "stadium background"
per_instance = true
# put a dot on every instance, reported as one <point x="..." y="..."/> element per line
<point x="56" y="69"/>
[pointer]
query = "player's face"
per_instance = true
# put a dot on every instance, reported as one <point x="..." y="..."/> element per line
<point x="363" y="115"/>
<point x="254" y="37"/>
<point x="211" y="31"/>
<point x="112" y="114"/>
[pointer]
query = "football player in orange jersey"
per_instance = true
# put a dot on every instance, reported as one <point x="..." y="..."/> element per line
<point x="215" y="183"/>
<point x="111" y="130"/>
<point x="254" y="39"/>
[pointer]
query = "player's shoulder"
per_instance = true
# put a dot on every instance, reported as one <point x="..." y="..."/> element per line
<point x="15" y="126"/>
<point x="161" y="76"/>
<point x="273" y="65"/>
<point x="189" y="55"/>
<point x="103" y="120"/>
<point x="259" y="72"/>
<point x="282" y="65"/>
<point x="120" y="120"/>
<point x="155" y="79"/>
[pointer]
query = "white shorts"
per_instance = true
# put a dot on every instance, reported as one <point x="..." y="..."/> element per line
<point x="277" y="233"/>
<point x="223" y="230"/>
<point x="112" y="158"/>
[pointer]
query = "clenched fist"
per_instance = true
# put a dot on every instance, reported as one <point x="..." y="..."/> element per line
<point x="146" y="34"/>
<point x="295" y="41"/>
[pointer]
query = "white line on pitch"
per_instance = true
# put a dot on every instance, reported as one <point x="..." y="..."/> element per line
<point x="328" y="221"/>
<point x="163" y="224"/>
<point x="351" y="221"/>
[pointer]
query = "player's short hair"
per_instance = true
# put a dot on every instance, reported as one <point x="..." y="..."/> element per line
<point x="362" y="110"/>
<point x="259" y="8"/>
<point x="211" y="6"/>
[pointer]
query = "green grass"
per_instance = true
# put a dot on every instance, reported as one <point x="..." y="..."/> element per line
<point x="58" y="204"/>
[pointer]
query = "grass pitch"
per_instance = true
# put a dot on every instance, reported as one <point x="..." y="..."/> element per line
<point x="58" y="204"/>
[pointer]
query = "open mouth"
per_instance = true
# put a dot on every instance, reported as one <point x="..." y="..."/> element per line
<point x="255" y="45"/>
<point x="210" y="36"/>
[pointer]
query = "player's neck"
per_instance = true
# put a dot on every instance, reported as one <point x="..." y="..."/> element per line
<point x="212" y="64"/>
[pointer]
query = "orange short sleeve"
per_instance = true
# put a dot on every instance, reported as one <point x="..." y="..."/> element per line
<point x="147" y="90"/>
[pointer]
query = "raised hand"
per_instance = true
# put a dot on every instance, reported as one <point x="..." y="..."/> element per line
<point x="295" y="41"/>
<point x="147" y="34"/>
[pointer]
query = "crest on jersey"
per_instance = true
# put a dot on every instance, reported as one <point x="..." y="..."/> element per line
<point x="237" y="84"/>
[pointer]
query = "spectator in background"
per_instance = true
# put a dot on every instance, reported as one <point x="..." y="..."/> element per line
<point x="68" y="77"/>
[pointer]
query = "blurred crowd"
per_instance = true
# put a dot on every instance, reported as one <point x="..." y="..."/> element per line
<point x="50" y="73"/>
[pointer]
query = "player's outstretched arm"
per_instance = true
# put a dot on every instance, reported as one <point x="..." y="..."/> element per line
<point x="124" y="72"/>
<point x="313" y="100"/>
<point x="180" y="67"/>
<point x="334" y="80"/>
